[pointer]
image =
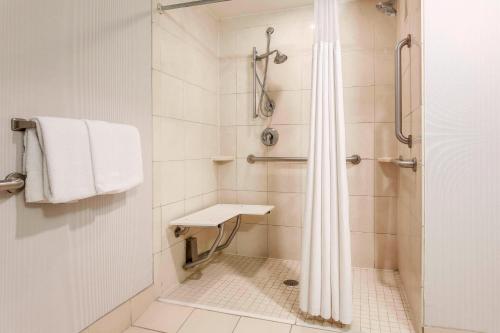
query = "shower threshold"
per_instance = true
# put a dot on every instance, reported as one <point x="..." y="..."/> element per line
<point x="253" y="287"/>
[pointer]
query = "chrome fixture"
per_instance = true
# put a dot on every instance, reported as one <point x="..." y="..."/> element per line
<point x="180" y="230"/>
<point x="194" y="259"/>
<point x="19" y="124"/>
<point x="270" y="136"/>
<point x="266" y="105"/>
<point x="354" y="159"/>
<point x="13" y="183"/>
<point x="387" y="7"/>
<point x="279" y="58"/>
<point x="402" y="163"/>
<point x="407" y="140"/>
<point x="161" y="8"/>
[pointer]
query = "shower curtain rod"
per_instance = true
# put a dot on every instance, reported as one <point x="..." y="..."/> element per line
<point x="162" y="8"/>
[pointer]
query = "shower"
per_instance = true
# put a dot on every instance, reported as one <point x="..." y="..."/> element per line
<point x="266" y="104"/>
<point x="387" y="7"/>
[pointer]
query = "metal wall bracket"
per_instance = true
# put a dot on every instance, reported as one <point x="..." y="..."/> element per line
<point x="19" y="124"/>
<point x="179" y="231"/>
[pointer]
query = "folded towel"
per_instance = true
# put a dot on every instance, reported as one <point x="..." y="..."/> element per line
<point x="116" y="156"/>
<point x="57" y="161"/>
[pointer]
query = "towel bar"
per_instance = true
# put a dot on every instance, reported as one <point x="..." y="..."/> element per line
<point x="19" y="124"/>
<point x="13" y="183"/>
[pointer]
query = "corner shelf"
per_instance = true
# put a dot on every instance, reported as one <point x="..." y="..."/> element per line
<point x="385" y="159"/>
<point x="222" y="159"/>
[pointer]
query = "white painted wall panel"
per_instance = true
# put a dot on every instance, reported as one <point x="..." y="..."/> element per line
<point x="462" y="176"/>
<point x="64" y="266"/>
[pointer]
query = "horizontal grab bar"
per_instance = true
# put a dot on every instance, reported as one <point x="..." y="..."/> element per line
<point x="402" y="163"/>
<point x="13" y="183"/>
<point x="354" y="159"/>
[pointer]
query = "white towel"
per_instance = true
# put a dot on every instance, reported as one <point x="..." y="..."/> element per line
<point x="116" y="156"/>
<point x="57" y="161"/>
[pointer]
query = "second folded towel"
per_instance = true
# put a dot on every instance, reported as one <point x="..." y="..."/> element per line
<point x="67" y="160"/>
<point x="116" y="156"/>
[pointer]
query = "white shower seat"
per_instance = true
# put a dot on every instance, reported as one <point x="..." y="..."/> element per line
<point x="221" y="213"/>
<point x="213" y="217"/>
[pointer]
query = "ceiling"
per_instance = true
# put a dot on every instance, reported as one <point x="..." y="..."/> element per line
<point x="235" y="8"/>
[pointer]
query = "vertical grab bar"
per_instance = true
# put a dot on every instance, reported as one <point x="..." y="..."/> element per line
<point x="254" y="95"/>
<point x="407" y="140"/>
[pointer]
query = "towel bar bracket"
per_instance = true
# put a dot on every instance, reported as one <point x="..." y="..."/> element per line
<point x="19" y="124"/>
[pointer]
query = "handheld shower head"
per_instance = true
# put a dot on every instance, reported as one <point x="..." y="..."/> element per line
<point x="280" y="58"/>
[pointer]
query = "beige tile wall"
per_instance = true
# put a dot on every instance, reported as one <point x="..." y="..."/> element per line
<point x="185" y="127"/>
<point x="410" y="224"/>
<point x="368" y="39"/>
<point x="281" y="184"/>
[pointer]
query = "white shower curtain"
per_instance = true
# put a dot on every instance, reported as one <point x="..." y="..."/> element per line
<point x="326" y="286"/>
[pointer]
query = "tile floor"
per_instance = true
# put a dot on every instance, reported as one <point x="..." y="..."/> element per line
<point x="238" y="294"/>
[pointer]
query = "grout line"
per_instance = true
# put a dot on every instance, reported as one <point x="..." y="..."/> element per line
<point x="147" y="329"/>
<point x="237" y="322"/>
<point x="185" y="320"/>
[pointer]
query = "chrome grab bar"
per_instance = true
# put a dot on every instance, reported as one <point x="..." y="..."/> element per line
<point x="402" y="163"/>
<point x="13" y="183"/>
<point x="407" y="140"/>
<point x="354" y="159"/>
<point x="254" y="83"/>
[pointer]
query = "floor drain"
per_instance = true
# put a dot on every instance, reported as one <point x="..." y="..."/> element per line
<point x="291" y="283"/>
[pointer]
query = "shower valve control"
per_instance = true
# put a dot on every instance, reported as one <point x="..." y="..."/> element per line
<point x="270" y="136"/>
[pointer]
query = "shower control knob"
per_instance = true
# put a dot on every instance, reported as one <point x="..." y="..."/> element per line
<point x="270" y="136"/>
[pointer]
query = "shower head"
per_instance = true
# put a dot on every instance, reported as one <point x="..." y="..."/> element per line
<point x="280" y="58"/>
<point x="270" y="31"/>
<point x="387" y="7"/>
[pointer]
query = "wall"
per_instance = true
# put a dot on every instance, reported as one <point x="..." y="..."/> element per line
<point x="409" y="227"/>
<point x="64" y="266"/>
<point x="367" y="39"/>
<point x="462" y="243"/>
<point x="280" y="184"/>
<point x="185" y="127"/>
